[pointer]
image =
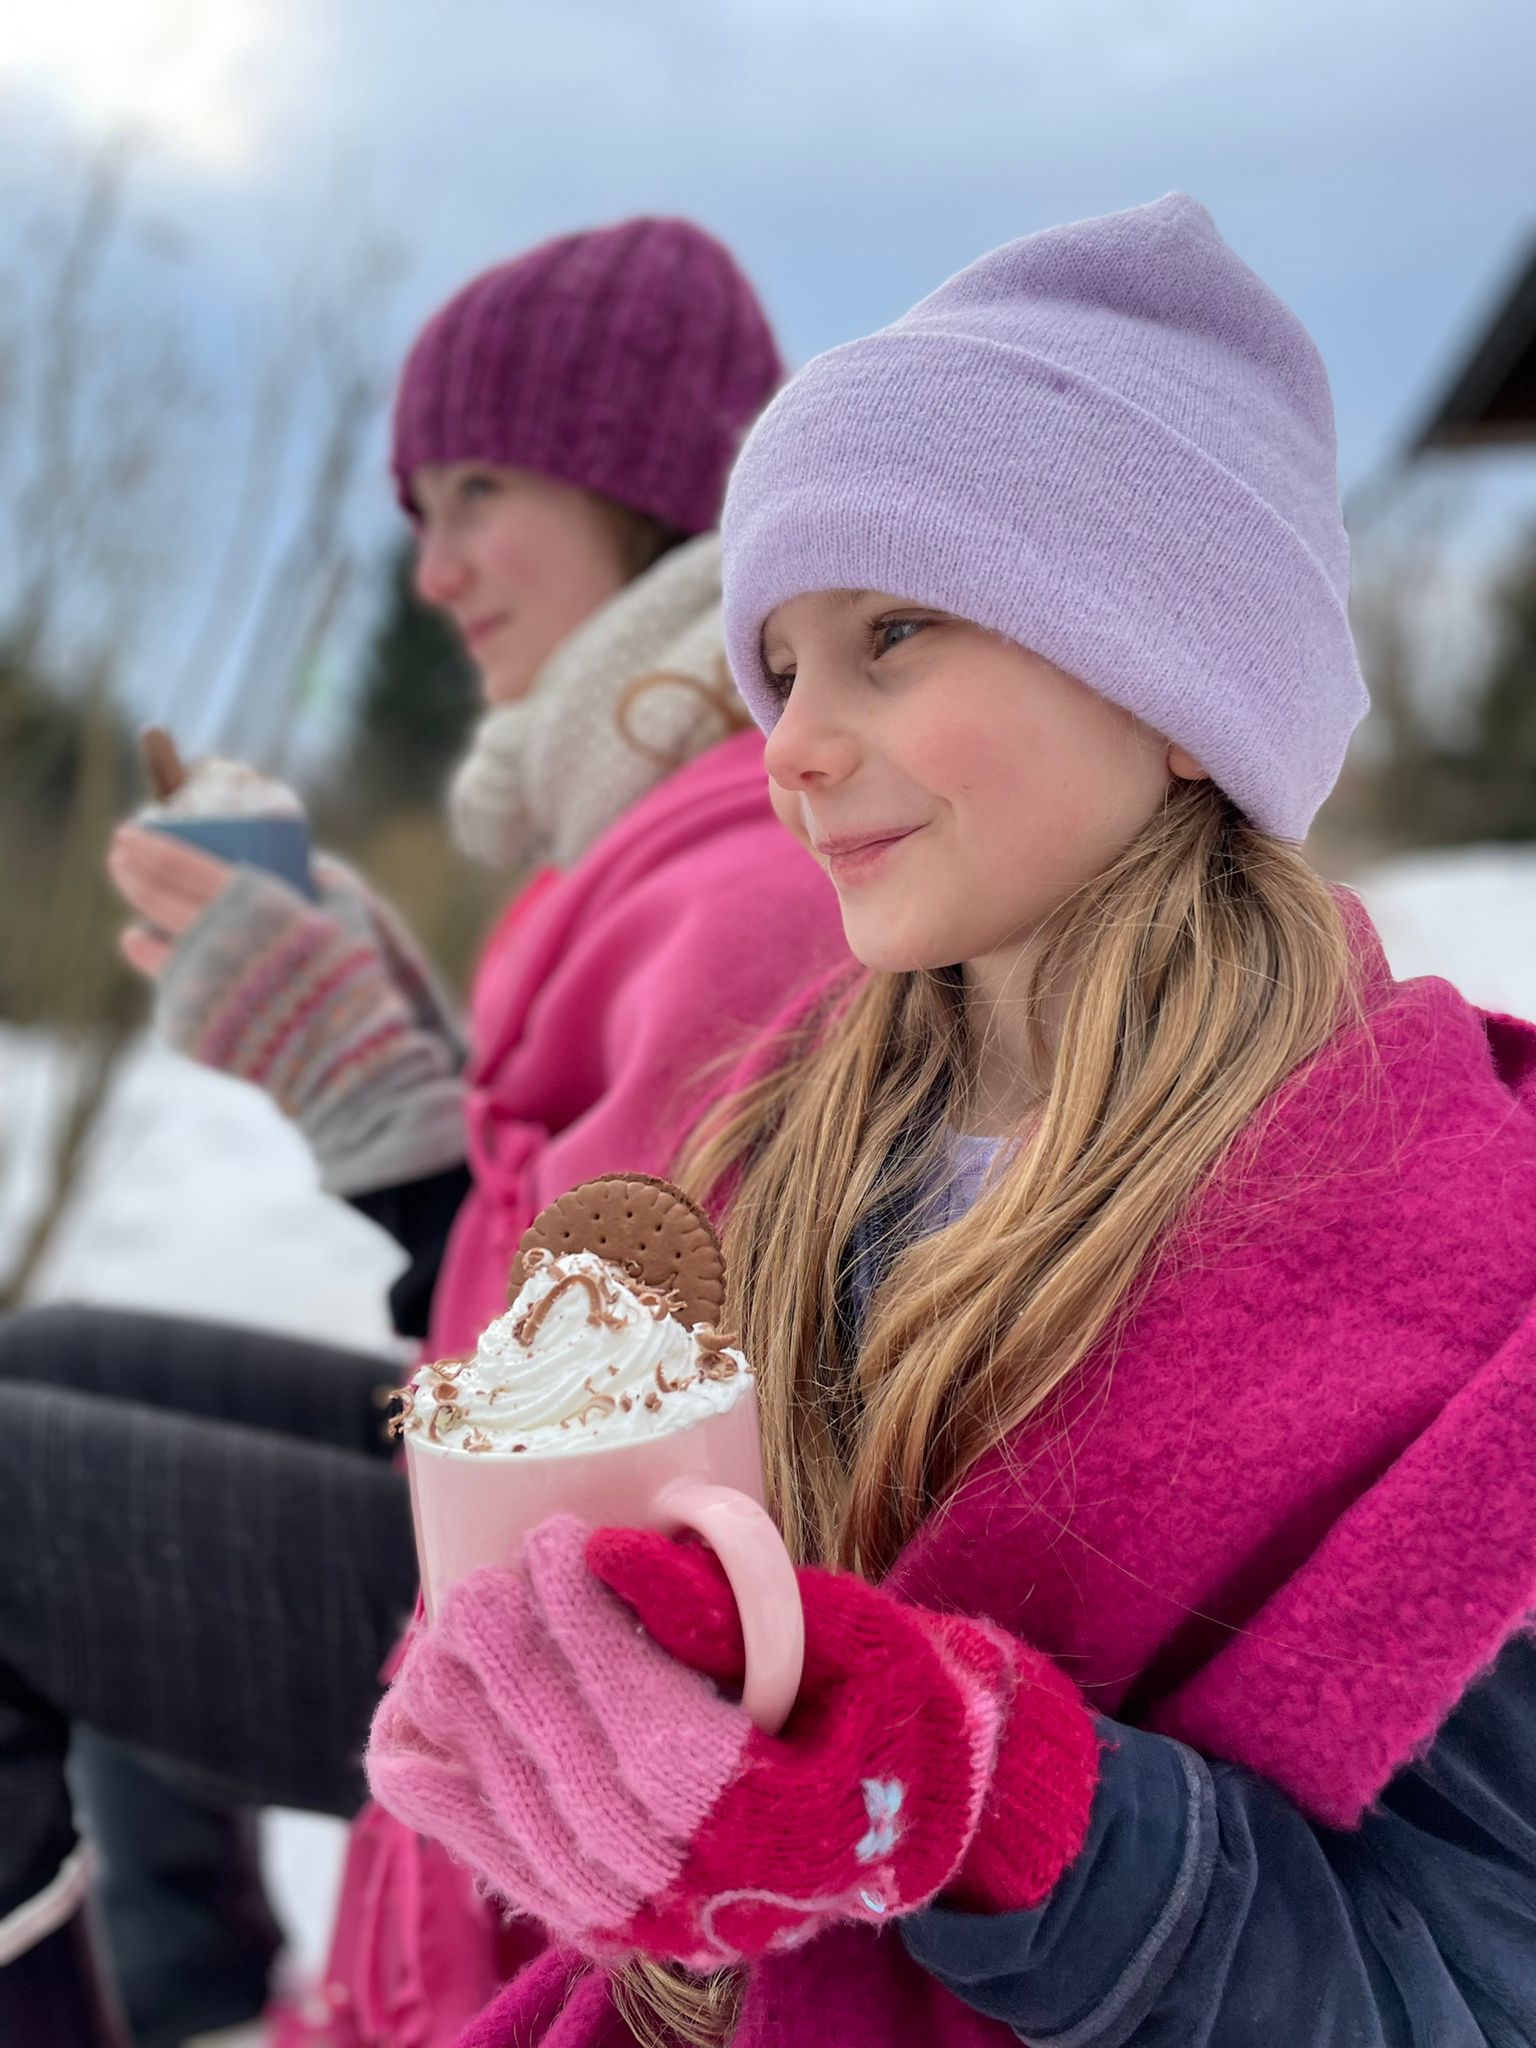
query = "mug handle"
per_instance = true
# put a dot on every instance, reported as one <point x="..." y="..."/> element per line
<point x="752" y="1553"/>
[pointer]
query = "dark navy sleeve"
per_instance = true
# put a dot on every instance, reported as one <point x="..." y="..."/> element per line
<point x="1205" y="1911"/>
<point x="418" y="1215"/>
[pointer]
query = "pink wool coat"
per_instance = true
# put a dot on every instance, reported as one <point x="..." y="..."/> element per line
<point x="609" y="1002"/>
<point x="1286" y="1518"/>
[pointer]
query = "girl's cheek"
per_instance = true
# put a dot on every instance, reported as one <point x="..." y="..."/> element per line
<point x="962" y="765"/>
<point x="506" y="559"/>
<point x="786" y="808"/>
<point x="508" y="543"/>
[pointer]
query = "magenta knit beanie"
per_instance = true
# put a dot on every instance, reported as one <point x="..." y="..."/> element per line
<point x="628" y="360"/>
<point x="1110" y="442"/>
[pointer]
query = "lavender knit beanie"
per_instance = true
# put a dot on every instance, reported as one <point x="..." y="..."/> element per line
<point x="628" y="360"/>
<point x="1110" y="442"/>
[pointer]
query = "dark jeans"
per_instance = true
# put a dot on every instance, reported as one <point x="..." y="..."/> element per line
<point x="209" y="1556"/>
<point x="180" y="1896"/>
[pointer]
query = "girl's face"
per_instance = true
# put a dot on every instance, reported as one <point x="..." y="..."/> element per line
<point x="956" y="788"/>
<point x="516" y="560"/>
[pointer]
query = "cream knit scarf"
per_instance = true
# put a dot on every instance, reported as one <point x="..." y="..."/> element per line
<point x="637" y="690"/>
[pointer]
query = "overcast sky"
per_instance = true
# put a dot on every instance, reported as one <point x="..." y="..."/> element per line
<point x="1375" y="162"/>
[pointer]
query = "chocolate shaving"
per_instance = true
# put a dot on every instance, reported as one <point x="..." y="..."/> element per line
<point x="600" y="1404"/>
<point x="715" y="1363"/>
<point x="600" y="1312"/>
<point x="652" y="1400"/>
<point x="672" y="1386"/>
<point x="449" y="1416"/>
<point x="535" y="1259"/>
<point x="662" y="1302"/>
<point x="477" y="1440"/>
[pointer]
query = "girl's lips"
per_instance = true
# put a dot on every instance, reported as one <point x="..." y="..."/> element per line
<point x="480" y="630"/>
<point x="850" y="860"/>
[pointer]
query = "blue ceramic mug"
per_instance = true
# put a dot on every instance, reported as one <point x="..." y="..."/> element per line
<point x="280" y="845"/>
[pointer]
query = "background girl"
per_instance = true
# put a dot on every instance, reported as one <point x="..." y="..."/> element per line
<point x="210" y="1546"/>
<point x="1139" y="1280"/>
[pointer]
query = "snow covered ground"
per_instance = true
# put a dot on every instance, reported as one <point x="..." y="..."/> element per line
<point x="199" y="1199"/>
<point x="1468" y="914"/>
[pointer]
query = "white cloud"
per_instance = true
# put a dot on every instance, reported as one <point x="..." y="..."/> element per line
<point x="190" y="79"/>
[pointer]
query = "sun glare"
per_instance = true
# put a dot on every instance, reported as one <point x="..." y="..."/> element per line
<point x="186" y="74"/>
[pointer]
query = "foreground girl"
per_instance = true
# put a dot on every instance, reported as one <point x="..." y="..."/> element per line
<point x="1139" y="1280"/>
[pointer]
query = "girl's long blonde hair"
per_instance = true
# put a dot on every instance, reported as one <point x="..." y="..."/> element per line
<point x="1189" y="981"/>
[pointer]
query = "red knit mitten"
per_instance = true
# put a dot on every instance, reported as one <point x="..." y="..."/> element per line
<point x="926" y="1754"/>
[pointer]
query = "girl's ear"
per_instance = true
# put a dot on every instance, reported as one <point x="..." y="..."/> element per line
<point x="1184" y="766"/>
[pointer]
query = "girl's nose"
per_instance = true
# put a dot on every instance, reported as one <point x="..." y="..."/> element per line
<point x="809" y="745"/>
<point x="441" y="572"/>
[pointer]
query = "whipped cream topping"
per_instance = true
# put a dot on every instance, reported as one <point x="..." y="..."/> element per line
<point x="585" y="1356"/>
<point x="217" y="788"/>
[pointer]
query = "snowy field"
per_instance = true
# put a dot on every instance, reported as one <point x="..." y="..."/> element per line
<point x="1468" y="914"/>
<point x="199" y="1199"/>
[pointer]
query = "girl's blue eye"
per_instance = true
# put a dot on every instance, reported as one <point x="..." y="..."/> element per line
<point x="883" y="627"/>
<point x="781" y="682"/>
<point x="476" y="486"/>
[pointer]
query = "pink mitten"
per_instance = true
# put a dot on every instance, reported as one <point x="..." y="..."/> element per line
<point x="605" y="1786"/>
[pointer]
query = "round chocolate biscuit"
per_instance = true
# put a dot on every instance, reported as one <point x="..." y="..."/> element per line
<point x="647" y="1228"/>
